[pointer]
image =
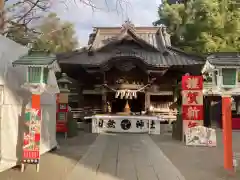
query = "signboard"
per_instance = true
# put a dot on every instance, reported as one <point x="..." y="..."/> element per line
<point x="62" y="107"/>
<point x="32" y="134"/>
<point x="61" y="124"/>
<point x="132" y="124"/>
<point x="192" y="101"/>
<point x="201" y="136"/>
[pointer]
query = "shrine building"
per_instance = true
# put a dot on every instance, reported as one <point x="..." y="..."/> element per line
<point x="127" y="69"/>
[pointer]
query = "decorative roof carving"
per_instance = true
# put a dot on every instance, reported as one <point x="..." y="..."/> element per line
<point x="157" y="37"/>
<point x="128" y="25"/>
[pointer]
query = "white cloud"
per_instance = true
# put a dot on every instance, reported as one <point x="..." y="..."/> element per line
<point x="140" y="12"/>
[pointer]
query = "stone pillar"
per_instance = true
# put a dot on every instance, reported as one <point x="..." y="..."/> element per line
<point x="80" y="98"/>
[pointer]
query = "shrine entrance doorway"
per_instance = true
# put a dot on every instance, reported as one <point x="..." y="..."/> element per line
<point x="118" y="105"/>
<point x="135" y="105"/>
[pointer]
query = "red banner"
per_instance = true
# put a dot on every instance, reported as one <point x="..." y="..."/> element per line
<point x="192" y="100"/>
<point x="32" y="136"/>
<point x="31" y="154"/>
<point x="192" y="113"/>
<point x="192" y="83"/>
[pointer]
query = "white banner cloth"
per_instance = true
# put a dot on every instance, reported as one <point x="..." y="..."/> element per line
<point x="128" y="124"/>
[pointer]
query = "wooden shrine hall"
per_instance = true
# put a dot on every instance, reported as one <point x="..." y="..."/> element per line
<point x="127" y="68"/>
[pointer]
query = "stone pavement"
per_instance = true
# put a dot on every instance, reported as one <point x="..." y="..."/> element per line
<point x="199" y="163"/>
<point x="57" y="164"/>
<point x="129" y="157"/>
<point x="124" y="157"/>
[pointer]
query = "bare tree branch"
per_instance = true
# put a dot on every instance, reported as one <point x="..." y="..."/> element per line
<point x="23" y="13"/>
<point x="27" y="13"/>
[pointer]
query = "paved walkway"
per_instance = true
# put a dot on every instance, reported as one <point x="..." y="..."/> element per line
<point x="124" y="157"/>
<point x="58" y="164"/>
<point x="199" y="163"/>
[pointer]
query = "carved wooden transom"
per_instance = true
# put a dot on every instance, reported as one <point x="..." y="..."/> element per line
<point x="126" y="66"/>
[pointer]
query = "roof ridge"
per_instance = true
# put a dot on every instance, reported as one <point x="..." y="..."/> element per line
<point x="123" y="34"/>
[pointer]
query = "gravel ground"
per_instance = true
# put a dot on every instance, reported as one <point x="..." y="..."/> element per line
<point x="57" y="164"/>
<point x="198" y="163"/>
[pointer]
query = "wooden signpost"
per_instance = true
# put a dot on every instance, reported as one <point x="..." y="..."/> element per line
<point x="192" y="101"/>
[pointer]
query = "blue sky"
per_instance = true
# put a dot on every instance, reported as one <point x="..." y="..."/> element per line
<point x="140" y="12"/>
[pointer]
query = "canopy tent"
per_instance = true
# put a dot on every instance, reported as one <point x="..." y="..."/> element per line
<point x="13" y="102"/>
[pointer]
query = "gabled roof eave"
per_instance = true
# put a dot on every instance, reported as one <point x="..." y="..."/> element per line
<point x="121" y="37"/>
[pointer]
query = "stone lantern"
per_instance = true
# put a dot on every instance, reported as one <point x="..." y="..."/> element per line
<point x="223" y="70"/>
<point x="40" y="68"/>
<point x="64" y="83"/>
<point x="65" y="122"/>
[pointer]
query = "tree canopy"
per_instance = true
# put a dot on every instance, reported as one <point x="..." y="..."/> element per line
<point x="56" y="36"/>
<point x="202" y="26"/>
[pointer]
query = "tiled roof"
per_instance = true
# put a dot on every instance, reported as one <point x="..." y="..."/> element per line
<point x="35" y="59"/>
<point x="160" y="53"/>
<point x="156" y="59"/>
<point x="155" y="36"/>
<point x="150" y="38"/>
<point x="224" y="59"/>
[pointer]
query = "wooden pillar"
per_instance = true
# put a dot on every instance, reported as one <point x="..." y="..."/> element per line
<point x="207" y="106"/>
<point x="147" y="95"/>
<point x="104" y="101"/>
<point x="36" y="101"/>
<point x="80" y="97"/>
<point x="227" y="132"/>
<point x="147" y="100"/>
<point x="104" y="95"/>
